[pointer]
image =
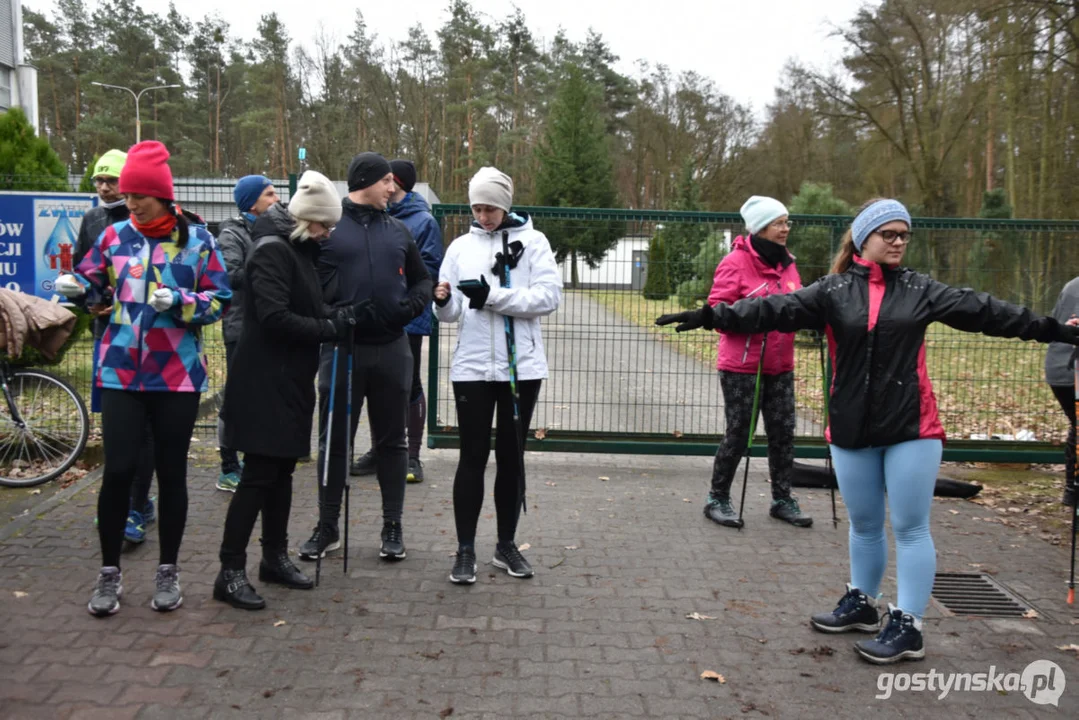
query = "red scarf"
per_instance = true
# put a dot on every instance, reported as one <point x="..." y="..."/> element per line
<point x="158" y="228"/>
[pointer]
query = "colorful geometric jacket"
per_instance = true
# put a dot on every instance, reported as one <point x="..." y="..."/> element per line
<point x="142" y="349"/>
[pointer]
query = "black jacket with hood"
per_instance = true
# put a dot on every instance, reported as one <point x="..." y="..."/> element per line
<point x="371" y="255"/>
<point x="234" y="239"/>
<point x="270" y="390"/>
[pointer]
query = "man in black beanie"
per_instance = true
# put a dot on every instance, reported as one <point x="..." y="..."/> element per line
<point x="369" y="263"/>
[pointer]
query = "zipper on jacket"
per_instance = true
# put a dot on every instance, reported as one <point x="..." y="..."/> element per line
<point x="140" y="382"/>
<point x="491" y="325"/>
<point x="749" y="339"/>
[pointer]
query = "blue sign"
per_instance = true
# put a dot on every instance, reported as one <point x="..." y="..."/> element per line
<point x="303" y="153"/>
<point x="38" y="232"/>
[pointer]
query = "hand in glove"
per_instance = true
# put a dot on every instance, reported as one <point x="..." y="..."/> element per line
<point x="476" y="291"/>
<point x="690" y="319"/>
<point x="162" y="299"/>
<point x="365" y="315"/>
<point x="1067" y="333"/>
<point x="342" y="322"/>
<point x="68" y="286"/>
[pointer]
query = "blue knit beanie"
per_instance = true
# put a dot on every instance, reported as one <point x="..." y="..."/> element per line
<point x="879" y="213"/>
<point x="247" y="191"/>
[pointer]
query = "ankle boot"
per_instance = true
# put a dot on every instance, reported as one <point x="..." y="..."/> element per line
<point x="276" y="567"/>
<point x="231" y="586"/>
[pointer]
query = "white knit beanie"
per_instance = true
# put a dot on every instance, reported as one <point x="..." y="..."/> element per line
<point x="490" y="186"/>
<point x="759" y="211"/>
<point x="315" y="200"/>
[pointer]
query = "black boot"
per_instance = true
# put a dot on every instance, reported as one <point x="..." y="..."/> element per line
<point x="231" y="586"/>
<point x="277" y="567"/>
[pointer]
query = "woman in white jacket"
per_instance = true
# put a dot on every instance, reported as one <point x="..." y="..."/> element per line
<point x="480" y="367"/>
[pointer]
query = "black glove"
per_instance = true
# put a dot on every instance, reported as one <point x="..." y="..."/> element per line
<point x="1066" y="334"/>
<point x="476" y="291"/>
<point x="365" y="313"/>
<point x="690" y="319"/>
<point x="343" y="321"/>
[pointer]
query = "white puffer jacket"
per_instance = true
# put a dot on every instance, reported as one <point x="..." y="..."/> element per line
<point x="535" y="290"/>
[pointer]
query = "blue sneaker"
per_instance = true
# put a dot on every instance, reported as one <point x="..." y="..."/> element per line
<point x="135" y="531"/>
<point x="228" y="481"/>
<point x="900" y="639"/>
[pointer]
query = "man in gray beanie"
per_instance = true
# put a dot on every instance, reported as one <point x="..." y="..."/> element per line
<point x="371" y="264"/>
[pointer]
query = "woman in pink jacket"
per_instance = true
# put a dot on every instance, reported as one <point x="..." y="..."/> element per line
<point x="757" y="265"/>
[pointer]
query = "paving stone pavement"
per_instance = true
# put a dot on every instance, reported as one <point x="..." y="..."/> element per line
<point x="600" y="632"/>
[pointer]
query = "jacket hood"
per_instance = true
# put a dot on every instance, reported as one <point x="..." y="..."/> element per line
<point x="513" y="221"/>
<point x="410" y="204"/>
<point x="235" y="223"/>
<point x="275" y="221"/>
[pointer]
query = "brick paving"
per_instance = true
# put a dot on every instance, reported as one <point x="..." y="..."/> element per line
<point x="600" y="632"/>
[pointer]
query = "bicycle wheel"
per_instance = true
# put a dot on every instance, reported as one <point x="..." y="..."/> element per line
<point x="52" y="433"/>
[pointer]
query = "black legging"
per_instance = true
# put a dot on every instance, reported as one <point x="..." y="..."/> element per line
<point x="1065" y="395"/>
<point x="124" y="417"/>
<point x="476" y="402"/>
<point x="266" y="486"/>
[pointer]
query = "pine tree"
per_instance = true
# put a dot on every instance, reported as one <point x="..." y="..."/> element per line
<point x="27" y="162"/>
<point x="813" y="244"/>
<point x="657" y="286"/>
<point x="574" y="170"/>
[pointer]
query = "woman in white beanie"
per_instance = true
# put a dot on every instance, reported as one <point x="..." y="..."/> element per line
<point x="480" y="367"/>
<point x="757" y="265"/>
<point x="270" y="391"/>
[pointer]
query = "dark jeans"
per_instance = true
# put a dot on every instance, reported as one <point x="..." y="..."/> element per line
<point x="777" y="407"/>
<point x="476" y="405"/>
<point x="417" y="401"/>
<point x="230" y="461"/>
<point x="381" y="374"/>
<point x="266" y="487"/>
<point x="124" y="418"/>
<point x="1065" y="395"/>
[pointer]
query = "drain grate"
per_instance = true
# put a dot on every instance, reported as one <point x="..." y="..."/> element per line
<point x="977" y="594"/>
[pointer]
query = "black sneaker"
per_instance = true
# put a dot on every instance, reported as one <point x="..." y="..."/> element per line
<point x="107" y="592"/>
<point x="324" y="539"/>
<point x="464" y="567"/>
<point x="719" y="510"/>
<point x="787" y="510"/>
<point x="393" y="541"/>
<point x="366" y="464"/>
<point x="415" y="471"/>
<point x="856" y="611"/>
<point x="510" y="559"/>
<point x="898" y="640"/>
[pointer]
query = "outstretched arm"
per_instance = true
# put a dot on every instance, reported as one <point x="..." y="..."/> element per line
<point x="965" y="309"/>
<point x="799" y="310"/>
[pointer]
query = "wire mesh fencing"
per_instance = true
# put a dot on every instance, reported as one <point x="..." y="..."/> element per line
<point x="618" y="383"/>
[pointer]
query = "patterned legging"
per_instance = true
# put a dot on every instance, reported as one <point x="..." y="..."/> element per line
<point x="777" y="407"/>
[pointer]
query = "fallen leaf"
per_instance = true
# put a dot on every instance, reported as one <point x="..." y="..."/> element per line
<point x="1070" y="648"/>
<point x="698" y="616"/>
<point x="1032" y="613"/>
<point x="36" y="492"/>
<point x="540" y="433"/>
<point x="21" y="594"/>
<point x="279" y="623"/>
<point x="571" y="547"/>
<point x="551" y="484"/>
<point x="524" y="547"/>
<point x="954" y="512"/>
<point x="552" y="567"/>
<point x="445" y="713"/>
<point x="604" y="478"/>
<point x="714" y="676"/>
<point x="677" y="433"/>
<point x="686" y="500"/>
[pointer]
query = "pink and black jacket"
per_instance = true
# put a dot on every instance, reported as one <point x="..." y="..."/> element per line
<point x="876" y="318"/>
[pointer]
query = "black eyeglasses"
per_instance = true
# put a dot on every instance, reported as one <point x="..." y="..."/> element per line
<point x="894" y="236"/>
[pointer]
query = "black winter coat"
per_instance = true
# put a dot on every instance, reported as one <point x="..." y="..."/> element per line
<point x="234" y="239"/>
<point x="876" y="319"/>
<point x="270" y="391"/>
<point x="372" y="255"/>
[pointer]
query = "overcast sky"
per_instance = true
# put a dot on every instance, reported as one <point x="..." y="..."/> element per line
<point x="741" y="44"/>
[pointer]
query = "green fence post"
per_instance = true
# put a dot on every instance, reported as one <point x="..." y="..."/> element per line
<point x="291" y="184"/>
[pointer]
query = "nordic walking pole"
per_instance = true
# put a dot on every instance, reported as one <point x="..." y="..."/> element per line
<point x="1075" y="499"/>
<point x="326" y="459"/>
<point x="752" y="429"/>
<point x="832" y="478"/>
<point x="348" y="434"/>
<point x="511" y="356"/>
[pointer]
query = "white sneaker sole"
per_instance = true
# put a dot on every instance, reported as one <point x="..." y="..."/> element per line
<point x="113" y="611"/>
<point x="905" y="655"/>
<point x="857" y="627"/>
<point x="464" y="581"/>
<point x="329" y="548"/>
<point x="504" y="566"/>
<point x="162" y="608"/>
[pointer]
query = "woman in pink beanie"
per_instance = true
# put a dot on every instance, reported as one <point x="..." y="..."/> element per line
<point x="168" y="279"/>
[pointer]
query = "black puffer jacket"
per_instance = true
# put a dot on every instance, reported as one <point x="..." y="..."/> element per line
<point x="270" y="391"/>
<point x="372" y="255"/>
<point x="234" y="239"/>
<point x="876" y="318"/>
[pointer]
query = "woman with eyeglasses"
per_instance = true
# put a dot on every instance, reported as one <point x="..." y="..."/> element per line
<point x="758" y="265"/>
<point x="884" y="432"/>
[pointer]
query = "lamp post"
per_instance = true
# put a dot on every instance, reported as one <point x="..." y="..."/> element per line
<point x="137" y="96"/>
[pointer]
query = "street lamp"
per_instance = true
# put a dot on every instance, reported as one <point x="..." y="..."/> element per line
<point x="137" y="96"/>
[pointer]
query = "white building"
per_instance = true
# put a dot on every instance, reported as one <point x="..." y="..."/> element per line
<point x="624" y="267"/>
<point x="18" y="80"/>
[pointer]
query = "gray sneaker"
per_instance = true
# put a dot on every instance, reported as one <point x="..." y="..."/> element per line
<point x="107" y="591"/>
<point x="167" y="596"/>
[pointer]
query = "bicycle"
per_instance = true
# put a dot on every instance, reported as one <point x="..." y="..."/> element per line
<point x="44" y="425"/>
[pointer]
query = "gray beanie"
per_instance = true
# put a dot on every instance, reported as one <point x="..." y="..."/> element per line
<point x="316" y="199"/>
<point x="490" y="186"/>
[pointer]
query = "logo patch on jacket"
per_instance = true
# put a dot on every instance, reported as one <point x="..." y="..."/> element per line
<point x="136" y="270"/>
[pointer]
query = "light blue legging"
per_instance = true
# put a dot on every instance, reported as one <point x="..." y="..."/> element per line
<point x="908" y="473"/>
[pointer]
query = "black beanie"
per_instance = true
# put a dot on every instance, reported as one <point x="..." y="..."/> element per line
<point x="404" y="174"/>
<point x="366" y="169"/>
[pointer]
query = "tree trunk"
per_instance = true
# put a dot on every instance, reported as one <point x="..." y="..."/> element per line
<point x="217" y="125"/>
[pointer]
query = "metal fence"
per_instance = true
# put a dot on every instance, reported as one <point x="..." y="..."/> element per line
<point x="619" y="384"/>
